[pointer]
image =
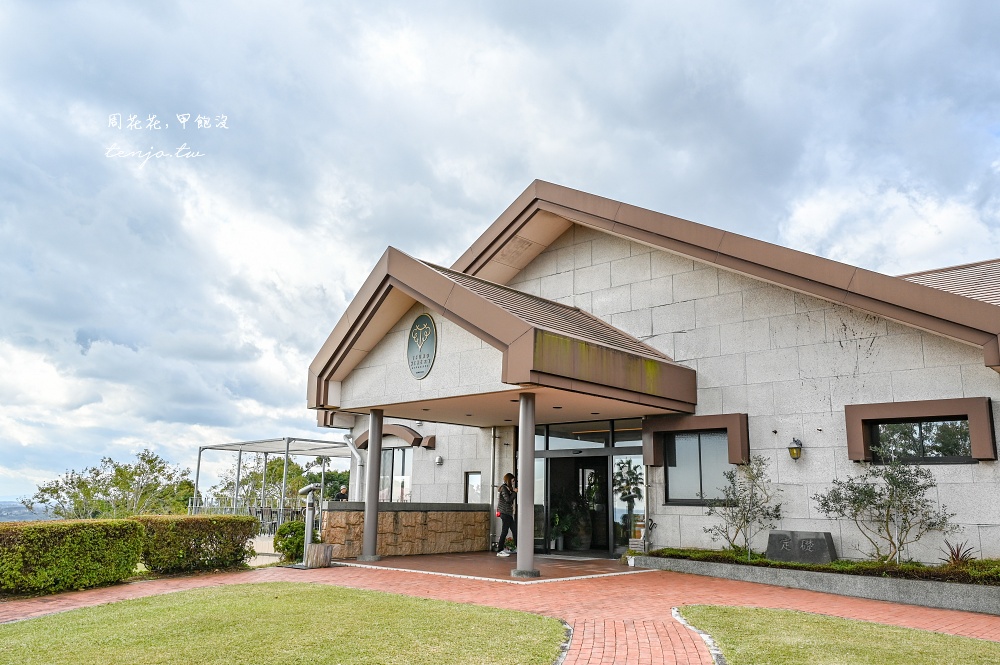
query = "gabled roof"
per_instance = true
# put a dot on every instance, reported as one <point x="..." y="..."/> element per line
<point x="544" y="211"/>
<point x="543" y="343"/>
<point x="979" y="281"/>
<point x="553" y="316"/>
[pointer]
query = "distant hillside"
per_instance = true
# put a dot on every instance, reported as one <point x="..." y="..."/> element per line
<point x="12" y="511"/>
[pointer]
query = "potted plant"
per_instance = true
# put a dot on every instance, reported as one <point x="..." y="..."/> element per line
<point x="581" y="534"/>
<point x="559" y="525"/>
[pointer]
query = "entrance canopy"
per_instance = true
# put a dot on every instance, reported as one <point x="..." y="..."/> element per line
<point x="579" y="366"/>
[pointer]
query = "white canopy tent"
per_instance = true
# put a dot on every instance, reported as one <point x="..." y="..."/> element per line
<point x="287" y="446"/>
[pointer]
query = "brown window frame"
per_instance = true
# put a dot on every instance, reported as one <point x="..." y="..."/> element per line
<point x="654" y="429"/>
<point x="977" y="410"/>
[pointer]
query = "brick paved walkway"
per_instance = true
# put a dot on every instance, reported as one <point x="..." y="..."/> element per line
<point x="615" y="619"/>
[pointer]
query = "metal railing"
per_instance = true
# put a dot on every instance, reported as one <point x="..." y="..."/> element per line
<point x="270" y="516"/>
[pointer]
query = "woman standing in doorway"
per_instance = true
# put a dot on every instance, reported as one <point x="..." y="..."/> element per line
<point x="505" y="508"/>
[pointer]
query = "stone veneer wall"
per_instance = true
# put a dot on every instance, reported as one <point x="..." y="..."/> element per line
<point x="406" y="532"/>
<point x="788" y="360"/>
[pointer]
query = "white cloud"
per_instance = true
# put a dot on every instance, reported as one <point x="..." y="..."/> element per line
<point x="890" y="230"/>
<point x="180" y="304"/>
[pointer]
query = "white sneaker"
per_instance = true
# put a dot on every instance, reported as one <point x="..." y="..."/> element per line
<point x="503" y="553"/>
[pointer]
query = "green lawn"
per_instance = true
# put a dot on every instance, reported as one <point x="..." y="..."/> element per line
<point x="782" y="637"/>
<point x="282" y="623"/>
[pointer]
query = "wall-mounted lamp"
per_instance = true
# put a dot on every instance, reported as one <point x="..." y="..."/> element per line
<point x="795" y="450"/>
<point x="439" y="460"/>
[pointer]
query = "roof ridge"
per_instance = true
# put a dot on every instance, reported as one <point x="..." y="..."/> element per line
<point x="465" y="275"/>
<point x="638" y="345"/>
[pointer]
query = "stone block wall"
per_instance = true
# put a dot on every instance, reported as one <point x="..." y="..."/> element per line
<point x="788" y="360"/>
<point x="402" y="533"/>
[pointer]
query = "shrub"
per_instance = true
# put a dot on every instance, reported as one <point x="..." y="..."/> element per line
<point x="889" y="505"/>
<point x="176" y="543"/>
<point x="290" y="539"/>
<point x="976" y="571"/>
<point x="54" y="556"/>
<point x="959" y="554"/>
<point x="747" y="507"/>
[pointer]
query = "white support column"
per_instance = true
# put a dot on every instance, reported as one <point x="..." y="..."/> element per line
<point x="196" y="508"/>
<point x="369" y="542"/>
<point x="284" y="483"/>
<point x="526" y="489"/>
<point x="263" y="482"/>
<point x="236" y="488"/>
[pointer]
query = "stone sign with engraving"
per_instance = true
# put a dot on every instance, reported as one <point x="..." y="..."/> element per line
<point x="801" y="546"/>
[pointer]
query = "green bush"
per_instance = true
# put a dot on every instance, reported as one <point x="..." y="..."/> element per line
<point x="290" y="540"/>
<point x="54" y="556"/>
<point x="178" y="543"/>
<point x="977" y="571"/>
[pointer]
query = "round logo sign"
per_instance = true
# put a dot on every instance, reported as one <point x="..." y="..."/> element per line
<point x="421" y="346"/>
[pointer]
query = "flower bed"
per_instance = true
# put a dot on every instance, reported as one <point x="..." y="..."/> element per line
<point x="975" y="571"/>
<point x="912" y="584"/>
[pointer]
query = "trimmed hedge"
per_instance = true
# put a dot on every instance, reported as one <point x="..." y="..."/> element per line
<point x="976" y="571"/>
<point x="54" y="556"/>
<point x="178" y="543"/>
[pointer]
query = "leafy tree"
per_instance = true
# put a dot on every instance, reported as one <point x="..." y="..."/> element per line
<point x="251" y="479"/>
<point x="747" y="506"/>
<point x="150" y="485"/>
<point x="889" y="505"/>
<point x="334" y="479"/>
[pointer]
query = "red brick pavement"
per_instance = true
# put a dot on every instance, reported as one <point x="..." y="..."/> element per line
<point x="615" y="619"/>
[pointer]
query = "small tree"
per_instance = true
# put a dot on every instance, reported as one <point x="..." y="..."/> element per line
<point x="150" y="485"/>
<point x="889" y="505"/>
<point x="747" y="507"/>
<point x="627" y="483"/>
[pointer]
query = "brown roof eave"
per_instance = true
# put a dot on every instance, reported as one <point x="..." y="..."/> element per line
<point x="938" y="311"/>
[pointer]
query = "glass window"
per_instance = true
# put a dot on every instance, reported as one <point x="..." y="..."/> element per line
<point x="695" y="462"/>
<point x="568" y="436"/>
<point x="539" y="437"/>
<point x="395" y="475"/>
<point x="473" y="487"/>
<point x="922" y="441"/>
<point x="401" y="470"/>
<point x="628" y="432"/>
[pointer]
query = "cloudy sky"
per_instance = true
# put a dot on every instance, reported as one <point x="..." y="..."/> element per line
<point x="175" y="301"/>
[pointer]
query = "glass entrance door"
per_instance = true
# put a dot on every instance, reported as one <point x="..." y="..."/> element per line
<point x="628" y="483"/>
<point x="579" y="517"/>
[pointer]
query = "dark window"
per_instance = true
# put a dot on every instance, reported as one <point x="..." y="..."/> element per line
<point x="695" y="462"/>
<point x="922" y="441"/>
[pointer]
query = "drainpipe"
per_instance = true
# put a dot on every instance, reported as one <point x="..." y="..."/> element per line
<point x="647" y="535"/>
<point x="493" y="480"/>
<point x="354" y="491"/>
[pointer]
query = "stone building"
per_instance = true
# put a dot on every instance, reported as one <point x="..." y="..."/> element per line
<point x="579" y="337"/>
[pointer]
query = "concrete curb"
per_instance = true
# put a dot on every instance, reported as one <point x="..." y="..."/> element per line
<point x="943" y="595"/>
